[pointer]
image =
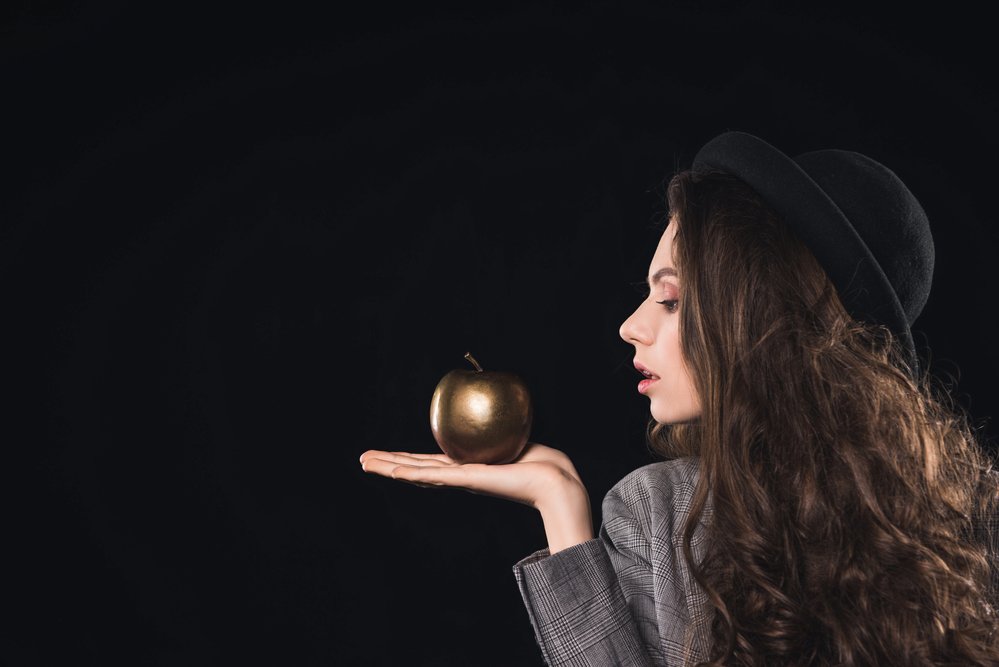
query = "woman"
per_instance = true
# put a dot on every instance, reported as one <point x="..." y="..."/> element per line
<point x="821" y="502"/>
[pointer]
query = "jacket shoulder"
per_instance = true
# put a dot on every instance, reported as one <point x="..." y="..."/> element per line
<point x="672" y="480"/>
<point x="675" y="473"/>
<point x="657" y="496"/>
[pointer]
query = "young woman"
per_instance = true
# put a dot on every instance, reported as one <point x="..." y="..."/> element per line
<point x="820" y="501"/>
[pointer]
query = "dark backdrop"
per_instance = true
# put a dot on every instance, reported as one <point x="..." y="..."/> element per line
<point x="241" y="247"/>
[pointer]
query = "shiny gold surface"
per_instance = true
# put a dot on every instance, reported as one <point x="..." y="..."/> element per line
<point x="481" y="416"/>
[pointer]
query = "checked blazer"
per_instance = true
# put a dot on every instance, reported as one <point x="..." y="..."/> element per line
<point x="626" y="598"/>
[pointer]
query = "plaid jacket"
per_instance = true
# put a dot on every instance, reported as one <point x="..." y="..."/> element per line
<point x="626" y="598"/>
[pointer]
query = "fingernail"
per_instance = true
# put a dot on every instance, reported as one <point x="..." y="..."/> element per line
<point x="361" y="460"/>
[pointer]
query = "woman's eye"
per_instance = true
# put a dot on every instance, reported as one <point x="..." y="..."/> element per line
<point x="670" y="304"/>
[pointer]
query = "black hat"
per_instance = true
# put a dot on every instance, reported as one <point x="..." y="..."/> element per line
<point x="864" y="226"/>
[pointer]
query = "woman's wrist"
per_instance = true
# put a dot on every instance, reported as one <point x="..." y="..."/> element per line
<point x="567" y="517"/>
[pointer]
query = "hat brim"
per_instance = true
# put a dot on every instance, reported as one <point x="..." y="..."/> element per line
<point x="860" y="281"/>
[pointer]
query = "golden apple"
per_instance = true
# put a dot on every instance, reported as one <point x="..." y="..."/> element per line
<point x="481" y="416"/>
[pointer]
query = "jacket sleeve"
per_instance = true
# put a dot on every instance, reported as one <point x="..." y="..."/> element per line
<point x="592" y="603"/>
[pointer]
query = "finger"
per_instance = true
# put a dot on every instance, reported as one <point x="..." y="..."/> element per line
<point x="432" y="475"/>
<point x="378" y="466"/>
<point x="387" y="466"/>
<point x="443" y="458"/>
<point x="413" y="459"/>
<point x="429" y="473"/>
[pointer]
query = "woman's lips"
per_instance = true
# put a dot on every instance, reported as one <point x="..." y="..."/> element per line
<point x="650" y="377"/>
<point x="644" y="384"/>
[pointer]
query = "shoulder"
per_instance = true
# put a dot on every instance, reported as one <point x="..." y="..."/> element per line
<point x="674" y="479"/>
<point x="678" y="473"/>
<point x="658" y="493"/>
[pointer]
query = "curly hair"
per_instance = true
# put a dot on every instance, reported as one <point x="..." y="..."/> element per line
<point x="850" y="498"/>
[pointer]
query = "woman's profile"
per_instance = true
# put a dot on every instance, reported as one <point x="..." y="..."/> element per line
<point x="820" y="500"/>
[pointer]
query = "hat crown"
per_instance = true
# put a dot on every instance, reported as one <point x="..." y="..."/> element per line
<point x="864" y="226"/>
<point x="885" y="214"/>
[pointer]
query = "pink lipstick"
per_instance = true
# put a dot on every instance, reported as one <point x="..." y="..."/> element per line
<point x="650" y="377"/>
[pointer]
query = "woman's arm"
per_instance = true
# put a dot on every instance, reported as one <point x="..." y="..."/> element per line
<point x="578" y="599"/>
<point x="567" y="516"/>
<point x="626" y="598"/>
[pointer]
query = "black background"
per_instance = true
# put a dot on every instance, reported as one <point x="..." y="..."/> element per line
<point x="240" y="247"/>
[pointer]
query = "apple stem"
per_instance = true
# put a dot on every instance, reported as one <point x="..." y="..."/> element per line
<point x="468" y="355"/>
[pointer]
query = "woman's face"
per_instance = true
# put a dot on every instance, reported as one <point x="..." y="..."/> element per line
<point x="654" y="331"/>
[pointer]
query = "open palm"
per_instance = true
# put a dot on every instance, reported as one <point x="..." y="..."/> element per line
<point x="527" y="480"/>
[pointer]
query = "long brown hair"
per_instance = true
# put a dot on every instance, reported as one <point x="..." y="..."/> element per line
<point x="849" y="496"/>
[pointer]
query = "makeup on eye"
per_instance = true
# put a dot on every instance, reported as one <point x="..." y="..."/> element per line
<point x="670" y="308"/>
<point x="670" y="298"/>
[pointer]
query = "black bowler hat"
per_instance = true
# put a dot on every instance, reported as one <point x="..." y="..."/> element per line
<point x="864" y="226"/>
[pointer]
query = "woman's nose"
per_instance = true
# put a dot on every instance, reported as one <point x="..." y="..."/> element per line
<point x="633" y="330"/>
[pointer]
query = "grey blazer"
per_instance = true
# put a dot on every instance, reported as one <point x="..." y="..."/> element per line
<point x="627" y="598"/>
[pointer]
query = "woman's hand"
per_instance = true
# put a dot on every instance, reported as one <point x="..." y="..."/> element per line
<point x="536" y="478"/>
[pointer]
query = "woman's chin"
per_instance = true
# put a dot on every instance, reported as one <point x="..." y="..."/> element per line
<point x="667" y="417"/>
<point x="663" y="417"/>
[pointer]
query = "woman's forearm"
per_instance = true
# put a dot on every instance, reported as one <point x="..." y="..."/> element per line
<point x="567" y="518"/>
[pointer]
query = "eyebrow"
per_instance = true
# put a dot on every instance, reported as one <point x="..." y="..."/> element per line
<point x="660" y="274"/>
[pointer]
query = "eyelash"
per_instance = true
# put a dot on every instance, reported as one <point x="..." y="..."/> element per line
<point x="643" y="289"/>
